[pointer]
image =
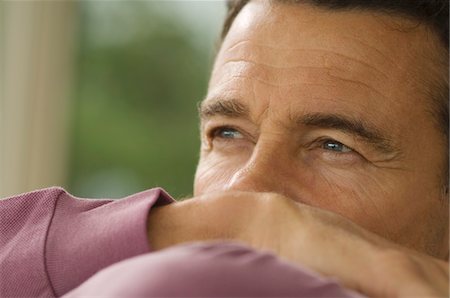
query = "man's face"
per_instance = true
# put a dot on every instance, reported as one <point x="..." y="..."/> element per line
<point x="328" y="108"/>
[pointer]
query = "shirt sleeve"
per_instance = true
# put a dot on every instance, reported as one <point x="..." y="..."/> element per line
<point x="209" y="269"/>
<point x="51" y="242"/>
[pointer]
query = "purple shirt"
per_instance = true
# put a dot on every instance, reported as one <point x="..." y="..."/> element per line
<point x="53" y="244"/>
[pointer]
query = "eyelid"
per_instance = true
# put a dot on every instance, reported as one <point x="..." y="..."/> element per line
<point x="319" y="142"/>
<point x="343" y="155"/>
<point x="335" y="158"/>
<point x="216" y="131"/>
<point x="350" y="150"/>
<point x="211" y="131"/>
<point x="243" y="127"/>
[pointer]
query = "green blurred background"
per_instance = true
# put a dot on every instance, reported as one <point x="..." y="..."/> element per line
<point x="100" y="97"/>
<point x="141" y="69"/>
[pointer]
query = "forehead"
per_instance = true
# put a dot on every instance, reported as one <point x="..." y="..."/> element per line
<point x="290" y="24"/>
<point x="299" y="55"/>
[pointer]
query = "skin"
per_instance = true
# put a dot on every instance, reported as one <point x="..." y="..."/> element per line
<point x="320" y="147"/>
<point x="327" y="68"/>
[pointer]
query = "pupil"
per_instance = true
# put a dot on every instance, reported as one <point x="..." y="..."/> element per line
<point x="334" y="146"/>
<point x="228" y="134"/>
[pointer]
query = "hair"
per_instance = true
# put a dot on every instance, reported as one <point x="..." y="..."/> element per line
<point x="432" y="13"/>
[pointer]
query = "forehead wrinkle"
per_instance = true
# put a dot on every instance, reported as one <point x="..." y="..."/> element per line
<point x="231" y="61"/>
<point x="312" y="84"/>
<point x="372" y="48"/>
<point x="237" y="44"/>
<point x="263" y="72"/>
<point x="344" y="102"/>
<point x="265" y="82"/>
<point x="259" y="74"/>
<point x="359" y="83"/>
<point x="243" y="51"/>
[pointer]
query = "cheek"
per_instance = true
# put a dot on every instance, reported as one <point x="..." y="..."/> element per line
<point x="383" y="203"/>
<point x="356" y="195"/>
<point x="214" y="173"/>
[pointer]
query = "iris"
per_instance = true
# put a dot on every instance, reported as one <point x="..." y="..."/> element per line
<point x="336" y="146"/>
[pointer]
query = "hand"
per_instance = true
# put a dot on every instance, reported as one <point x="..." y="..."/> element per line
<point x="318" y="239"/>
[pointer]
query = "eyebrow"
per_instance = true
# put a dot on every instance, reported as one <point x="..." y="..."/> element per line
<point x="356" y="127"/>
<point x="367" y="133"/>
<point x="219" y="107"/>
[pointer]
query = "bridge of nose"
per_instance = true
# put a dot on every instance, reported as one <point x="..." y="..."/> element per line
<point x="269" y="169"/>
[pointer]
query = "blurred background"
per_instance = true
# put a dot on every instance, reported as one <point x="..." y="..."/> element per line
<point x="100" y="96"/>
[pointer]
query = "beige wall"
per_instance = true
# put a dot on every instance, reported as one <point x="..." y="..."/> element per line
<point x="36" y="60"/>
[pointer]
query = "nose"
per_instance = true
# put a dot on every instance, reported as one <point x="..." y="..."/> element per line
<point x="267" y="170"/>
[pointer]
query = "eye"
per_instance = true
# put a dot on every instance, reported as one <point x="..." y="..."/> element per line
<point x="336" y="146"/>
<point x="227" y="133"/>
<point x="227" y="140"/>
<point x="217" y="136"/>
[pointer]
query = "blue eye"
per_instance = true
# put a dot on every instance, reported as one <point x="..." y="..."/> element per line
<point x="336" y="146"/>
<point x="228" y="133"/>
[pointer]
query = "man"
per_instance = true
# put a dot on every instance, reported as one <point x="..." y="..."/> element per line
<point x="339" y="109"/>
<point x="325" y="141"/>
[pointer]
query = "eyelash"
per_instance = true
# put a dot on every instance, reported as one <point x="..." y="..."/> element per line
<point x="318" y="143"/>
<point x="345" y="157"/>
<point x="214" y="133"/>
<point x="322" y="142"/>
